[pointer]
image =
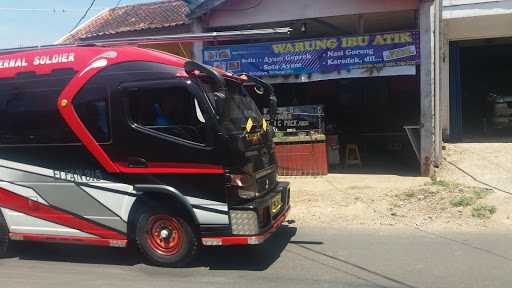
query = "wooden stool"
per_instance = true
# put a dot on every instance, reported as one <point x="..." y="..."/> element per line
<point x="352" y="155"/>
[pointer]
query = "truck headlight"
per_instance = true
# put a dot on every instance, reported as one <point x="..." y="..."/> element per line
<point x="247" y="188"/>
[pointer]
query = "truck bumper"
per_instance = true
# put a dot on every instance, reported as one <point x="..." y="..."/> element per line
<point x="272" y="220"/>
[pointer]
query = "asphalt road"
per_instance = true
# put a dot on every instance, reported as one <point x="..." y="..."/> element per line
<point x="294" y="257"/>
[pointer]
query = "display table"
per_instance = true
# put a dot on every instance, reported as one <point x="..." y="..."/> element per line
<point x="302" y="155"/>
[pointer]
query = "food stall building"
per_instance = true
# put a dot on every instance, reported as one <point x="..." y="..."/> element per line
<point x="355" y="78"/>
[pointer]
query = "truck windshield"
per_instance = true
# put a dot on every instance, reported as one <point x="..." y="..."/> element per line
<point x="239" y="107"/>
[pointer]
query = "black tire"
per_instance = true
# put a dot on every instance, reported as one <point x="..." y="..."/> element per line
<point x="182" y="242"/>
<point x="5" y="242"/>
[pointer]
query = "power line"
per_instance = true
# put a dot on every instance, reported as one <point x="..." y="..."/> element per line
<point x="118" y="3"/>
<point x="85" y="15"/>
<point x="54" y="10"/>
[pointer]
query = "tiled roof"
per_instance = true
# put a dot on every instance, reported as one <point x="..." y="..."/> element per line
<point x="136" y="17"/>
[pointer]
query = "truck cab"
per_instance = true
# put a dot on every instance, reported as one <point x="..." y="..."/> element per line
<point x="103" y="146"/>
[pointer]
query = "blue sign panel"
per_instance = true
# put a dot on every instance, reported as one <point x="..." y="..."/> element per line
<point x="321" y="55"/>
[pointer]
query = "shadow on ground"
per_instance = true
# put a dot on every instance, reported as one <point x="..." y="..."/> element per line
<point x="391" y="164"/>
<point x="252" y="258"/>
<point x="249" y="258"/>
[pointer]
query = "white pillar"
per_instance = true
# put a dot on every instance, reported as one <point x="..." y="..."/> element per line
<point x="197" y="47"/>
<point x="427" y="69"/>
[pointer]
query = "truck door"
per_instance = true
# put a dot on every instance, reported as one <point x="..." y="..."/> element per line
<point x="164" y="133"/>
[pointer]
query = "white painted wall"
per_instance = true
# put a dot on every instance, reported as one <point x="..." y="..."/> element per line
<point x="236" y="12"/>
<point x="479" y="27"/>
<point x="472" y="19"/>
<point x="472" y="8"/>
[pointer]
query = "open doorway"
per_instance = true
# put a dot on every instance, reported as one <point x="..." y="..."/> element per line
<point x="485" y="95"/>
<point x="367" y="112"/>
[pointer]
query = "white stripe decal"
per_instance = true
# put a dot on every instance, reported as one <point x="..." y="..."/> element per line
<point x="51" y="173"/>
<point x="101" y="217"/>
<point x="205" y="217"/>
<point x="199" y="201"/>
<point x="114" y="186"/>
<point x="26" y="167"/>
<point x="39" y="229"/>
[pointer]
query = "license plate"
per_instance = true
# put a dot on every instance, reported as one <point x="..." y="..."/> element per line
<point x="276" y="203"/>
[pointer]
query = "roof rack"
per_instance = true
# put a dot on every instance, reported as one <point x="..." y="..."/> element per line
<point x="188" y="37"/>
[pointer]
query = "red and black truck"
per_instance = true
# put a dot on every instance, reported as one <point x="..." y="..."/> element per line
<point x="106" y="145"/>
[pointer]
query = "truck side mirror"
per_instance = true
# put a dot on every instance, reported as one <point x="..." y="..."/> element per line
<point x="218" y="80"/>
<point x="263" y="87"/>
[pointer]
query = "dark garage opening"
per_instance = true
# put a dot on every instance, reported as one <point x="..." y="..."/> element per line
<point x="486" y="89"/>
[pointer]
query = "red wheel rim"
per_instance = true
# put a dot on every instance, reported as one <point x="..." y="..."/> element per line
<point x="164" y="234"/>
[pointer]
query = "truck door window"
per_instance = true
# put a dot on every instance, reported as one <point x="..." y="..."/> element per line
<point x="172" y="111"/>
<point x="30" y="117"/>
<point x="91" y="105"/>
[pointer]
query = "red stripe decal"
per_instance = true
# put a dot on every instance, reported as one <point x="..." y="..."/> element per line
<point x="65" y="105"/>
<point x="68" y="239"/>
<point x="35" y="209"/>
<point x="169" y="167"/>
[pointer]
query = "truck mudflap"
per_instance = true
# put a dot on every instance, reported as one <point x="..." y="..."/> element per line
<point x="246" y="240"/>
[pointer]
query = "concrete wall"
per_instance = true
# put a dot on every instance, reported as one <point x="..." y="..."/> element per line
<point x="234" y="12"/>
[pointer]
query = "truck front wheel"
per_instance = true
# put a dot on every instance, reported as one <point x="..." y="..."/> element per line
<point x="166" y="239"/>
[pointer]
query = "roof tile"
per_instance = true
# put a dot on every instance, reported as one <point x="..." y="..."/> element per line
<point x="132" y="18"/>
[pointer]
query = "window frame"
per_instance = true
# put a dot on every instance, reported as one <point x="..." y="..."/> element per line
<point x="32" y="82"/>
<point x="188" y="85"/>
<point x="78" y="143"/>
<point x="106" y="90"/>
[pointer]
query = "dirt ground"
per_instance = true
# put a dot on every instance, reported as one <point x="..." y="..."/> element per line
<point x="453" y="201"/>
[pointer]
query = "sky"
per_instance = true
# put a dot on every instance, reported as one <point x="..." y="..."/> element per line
<point x="39" y="22"/>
